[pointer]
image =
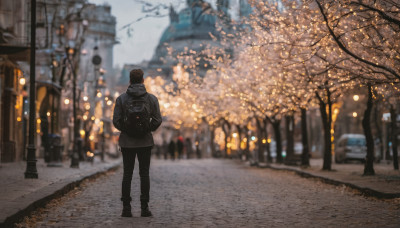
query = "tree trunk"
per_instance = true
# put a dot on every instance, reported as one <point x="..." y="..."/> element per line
<point x="267" y="145"/>
<point x="369" y="163"/>
<point x="327" y="135"/>
<point x="247" y="150"/>
<point x="305" y="155"/>
<point x="277" y="131"/>
<point x="239" y="129"/>
<point x="226" y="144"/>
<point x="378" y="125"/>
<point x="289" y="136"/>
<point x="212" y="144"/>
<point x="393" y="117"/>
<point x="227" y="136"/>
<point x="260" y="132"/>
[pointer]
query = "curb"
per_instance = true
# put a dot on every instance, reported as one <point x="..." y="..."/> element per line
<point x="50" y="192"/>
<point x="365" y="191"/>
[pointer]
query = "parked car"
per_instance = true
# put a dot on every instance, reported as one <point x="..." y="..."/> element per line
<point x="351" y="147"/>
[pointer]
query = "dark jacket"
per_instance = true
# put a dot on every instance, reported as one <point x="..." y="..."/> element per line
<point x="126" y="141"/>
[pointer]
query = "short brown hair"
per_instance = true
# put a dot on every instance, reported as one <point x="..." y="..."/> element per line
<point x="136" y="76"/>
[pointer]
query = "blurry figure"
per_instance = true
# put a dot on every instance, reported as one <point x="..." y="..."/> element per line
<point x="180" y="146"/>
<point x="198" y="152"/>
<point x="171" y="149"/>
<point x="165" y="149"/>
<point x="189" y="149"/>
<point x="44" y="133"/>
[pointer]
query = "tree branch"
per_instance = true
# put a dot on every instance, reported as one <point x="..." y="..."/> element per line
<point x="341" y="46"/>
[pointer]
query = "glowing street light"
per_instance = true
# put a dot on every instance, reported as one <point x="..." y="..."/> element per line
<point x="66" y="101"/>
<point x="22" y="81"/>
<point x="355" y="114"/>
<point x="85" y="98"/>
<point x="356" y="97"/>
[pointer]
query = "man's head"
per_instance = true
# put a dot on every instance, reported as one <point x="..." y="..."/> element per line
<point x="136" y="76"/>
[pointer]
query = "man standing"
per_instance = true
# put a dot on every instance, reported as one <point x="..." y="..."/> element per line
<point x="136" y="115"/>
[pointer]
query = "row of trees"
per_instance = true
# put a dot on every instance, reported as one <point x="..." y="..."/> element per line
<point x="289" y="57"/>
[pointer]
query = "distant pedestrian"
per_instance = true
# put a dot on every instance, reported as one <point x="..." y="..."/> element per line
<point x="189" y="149"/>
<point x="165" y="150"/>
<point x="171" y="149"/>
<point x="180" y="146"/>
<point x="136" y="115"/>
<point x="198" y="151"/>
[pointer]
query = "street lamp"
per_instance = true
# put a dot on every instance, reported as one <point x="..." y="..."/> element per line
<point x="75" y="155"/>
<point x="22" y="81"/>
<point x="31" y="171"/>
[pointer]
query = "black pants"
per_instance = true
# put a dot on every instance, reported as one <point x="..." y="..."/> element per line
<point x="144" y="155"/>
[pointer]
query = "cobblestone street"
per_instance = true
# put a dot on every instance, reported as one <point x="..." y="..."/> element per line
<point x="218" y="193"/>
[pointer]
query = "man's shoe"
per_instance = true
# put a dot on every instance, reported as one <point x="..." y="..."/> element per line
<point x="126" y="210"/>
<point x="126" y="213"/>
<point x="146" y="212"/>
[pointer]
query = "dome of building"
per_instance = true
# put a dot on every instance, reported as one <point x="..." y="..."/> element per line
<point x="195" y="22"/>
<point x="193" y="28"/>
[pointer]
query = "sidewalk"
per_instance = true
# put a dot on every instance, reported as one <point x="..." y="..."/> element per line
<point x="20" y="196"/>
<point x="385" y="184"/>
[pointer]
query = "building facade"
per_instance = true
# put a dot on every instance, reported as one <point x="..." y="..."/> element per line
<point x="64" y="30"/>
<point x="14" y="51"/>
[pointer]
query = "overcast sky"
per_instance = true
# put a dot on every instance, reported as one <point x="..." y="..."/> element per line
<point x="140" y="45"/>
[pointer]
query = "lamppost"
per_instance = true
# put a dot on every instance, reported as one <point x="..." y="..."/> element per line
<point x="31" y="171"/>
<point x="75" y="155"/>
<point x="75" y="24"/>
<point x="96" y="60"/>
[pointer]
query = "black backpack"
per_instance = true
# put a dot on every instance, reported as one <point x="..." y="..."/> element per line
<point x="136" y="117"/>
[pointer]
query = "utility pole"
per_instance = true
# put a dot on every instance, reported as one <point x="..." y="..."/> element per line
<point x="31" y="171"/>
